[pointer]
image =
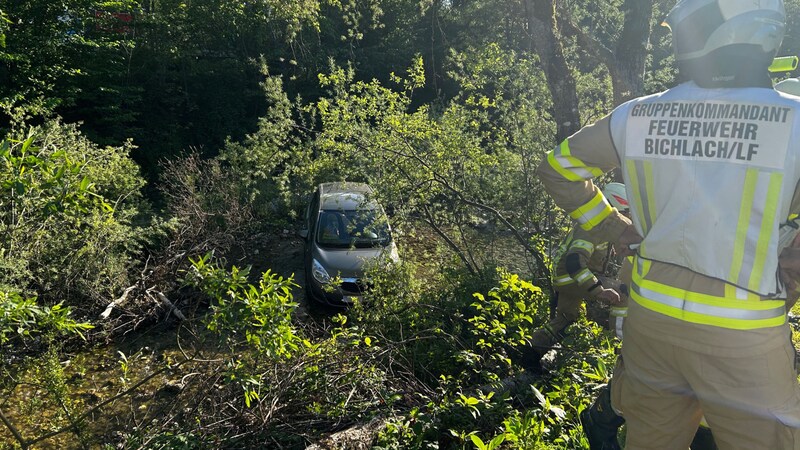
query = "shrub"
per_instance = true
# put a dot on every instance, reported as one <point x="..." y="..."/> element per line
<point x="66" y="212"/>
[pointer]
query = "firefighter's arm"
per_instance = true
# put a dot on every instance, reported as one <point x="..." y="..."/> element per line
<point x="789" y="263"/>
<point x="567" y="172"/>
<point x="789" y="260"/>
<point x="577" y="262"/>
<point x="790" y="274"/>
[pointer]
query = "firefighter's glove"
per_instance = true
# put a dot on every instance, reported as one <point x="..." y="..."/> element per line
<point x="629" y="237"/>
<point x="607" y="296"/>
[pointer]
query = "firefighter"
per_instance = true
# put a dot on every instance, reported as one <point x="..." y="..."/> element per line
<point x="711" y="168"/>
<point x="601" y="421"/>
<point x="579" y="273"/>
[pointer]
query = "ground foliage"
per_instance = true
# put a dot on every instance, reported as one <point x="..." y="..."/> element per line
<point x="146" y="143"/>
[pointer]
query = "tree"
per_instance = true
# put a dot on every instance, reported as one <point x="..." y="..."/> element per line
<point x="550" y="24"/>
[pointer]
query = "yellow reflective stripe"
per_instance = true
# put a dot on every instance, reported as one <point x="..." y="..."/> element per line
<point x="570" y="167"/>
<point x="584" y="276"/>
<point x="551" y="159"/>
<point x="765" y="233"/>
<point x="584" y="245"/>
<point x="593" y="212"/>
<point x="640" y="178"/>
<point x="704" y="319"/>
<point x="705" y="309"/>
<point x="649" y="190"/>
<point x="698" y="297"/>
<point x="645" y="263"/>
<point x="748" y="193"/>
<point x="633" y="179"/>
<point x="562" y="247"/>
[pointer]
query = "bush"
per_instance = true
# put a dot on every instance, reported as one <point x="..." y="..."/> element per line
<point x="66" y="213"/>
<point x="23" y="318"/>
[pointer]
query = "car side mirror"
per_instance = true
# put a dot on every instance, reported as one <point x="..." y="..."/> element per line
<point x="303" y="234"/>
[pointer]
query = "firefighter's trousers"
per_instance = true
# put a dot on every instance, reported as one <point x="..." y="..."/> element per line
<point x="749" y="402"/>
<point x="568" y="310"/>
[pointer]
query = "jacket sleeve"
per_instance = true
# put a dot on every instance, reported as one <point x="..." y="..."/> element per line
<point x="576" y="262"/>
<point x="567" y="172"/>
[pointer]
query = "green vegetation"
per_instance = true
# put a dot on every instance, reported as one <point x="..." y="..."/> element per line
<point x="152" y="153"/>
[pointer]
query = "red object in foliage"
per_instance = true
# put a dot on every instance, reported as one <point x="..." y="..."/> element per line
<point x="115" y="25"/>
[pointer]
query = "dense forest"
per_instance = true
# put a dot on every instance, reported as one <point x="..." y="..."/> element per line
<point x="156" y="160"/>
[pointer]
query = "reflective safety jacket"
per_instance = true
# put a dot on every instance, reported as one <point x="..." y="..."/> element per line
<point x="710" y="175"/>
<point x="579" y="259"/>
<point x="723" y="182"/>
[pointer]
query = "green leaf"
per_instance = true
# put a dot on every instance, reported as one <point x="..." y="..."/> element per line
<point x="26" y="144"/>
<point x="494" y="443"/>
<point x="478" y="442"/>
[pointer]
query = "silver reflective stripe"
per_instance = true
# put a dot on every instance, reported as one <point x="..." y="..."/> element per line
<point x="618" y="321"/>
<point x="560" y="281"/>
<point x="567" y="165"/>
<point x="594" y="212"/>
<point x="584" y="275"/>
<point x="740" y="293"/>
<point x="708" y="310"/>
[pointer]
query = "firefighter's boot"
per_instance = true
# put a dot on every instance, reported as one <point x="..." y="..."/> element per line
<point x="531" y="359"/>
<point x="600" y="423"/>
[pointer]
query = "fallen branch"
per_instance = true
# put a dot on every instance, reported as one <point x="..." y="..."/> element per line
<point x="172" y="308"/>
<point x="22" y="442"/>
<point x="119" y="301"/>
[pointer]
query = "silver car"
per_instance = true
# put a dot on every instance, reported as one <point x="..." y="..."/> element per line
<point x="346" y="230"/>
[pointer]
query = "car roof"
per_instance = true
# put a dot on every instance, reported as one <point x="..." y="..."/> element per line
<point x="346" y="196"/>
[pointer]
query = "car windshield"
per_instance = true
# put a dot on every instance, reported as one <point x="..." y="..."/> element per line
<point x="345" y="229"/>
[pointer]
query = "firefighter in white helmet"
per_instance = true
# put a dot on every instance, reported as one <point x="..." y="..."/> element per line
<point x="711" y="168"/>
<point x="579" y="269"/>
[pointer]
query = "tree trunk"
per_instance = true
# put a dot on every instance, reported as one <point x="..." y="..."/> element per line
<point x="626" y="63"/>
<point x="546" y="42"/>
<point x="631" y="51"/>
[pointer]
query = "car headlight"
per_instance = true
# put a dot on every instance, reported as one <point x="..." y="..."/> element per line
<point x="319" y="273"/>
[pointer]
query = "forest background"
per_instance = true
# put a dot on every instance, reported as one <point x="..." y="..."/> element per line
<point x="155" y="154"/>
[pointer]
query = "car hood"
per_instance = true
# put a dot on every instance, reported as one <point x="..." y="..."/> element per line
<point x="348" y="263"/>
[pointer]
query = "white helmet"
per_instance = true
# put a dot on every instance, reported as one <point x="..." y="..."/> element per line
<point x="789" y="86"/>
<point x="700" y="27"/>
<point x="616" y="195"/>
